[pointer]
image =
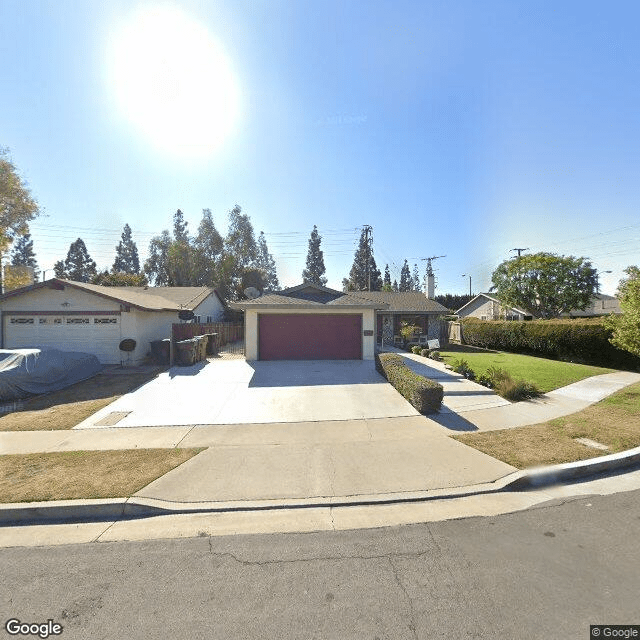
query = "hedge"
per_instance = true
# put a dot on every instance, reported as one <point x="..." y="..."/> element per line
<point x="424" y="394"/>
<point x="584" y="341"/>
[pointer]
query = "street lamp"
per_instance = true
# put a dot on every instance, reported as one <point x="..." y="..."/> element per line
<point x="464" y="275"/>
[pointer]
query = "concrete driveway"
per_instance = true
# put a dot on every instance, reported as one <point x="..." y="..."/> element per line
<point x="240" y="392"/>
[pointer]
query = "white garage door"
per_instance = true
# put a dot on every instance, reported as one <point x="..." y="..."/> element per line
<point x="99" y="335"/>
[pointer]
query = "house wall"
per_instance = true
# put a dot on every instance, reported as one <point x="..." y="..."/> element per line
<point x="69" y="299"/>
<point x="145" y="326"/>
<point x="487" y="309"/>
<point x="210" y="307"/>
<point x="251" y="328"/>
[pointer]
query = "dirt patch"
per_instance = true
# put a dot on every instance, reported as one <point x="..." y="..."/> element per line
<point x="68" y="407"/>
<point x="74" y="475"/>
<point x="614" y="422"/>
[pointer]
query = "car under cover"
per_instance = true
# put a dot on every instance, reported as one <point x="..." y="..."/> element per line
<point x="28" y="372"/>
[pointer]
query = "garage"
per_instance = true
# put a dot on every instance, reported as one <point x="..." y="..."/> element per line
<point x="310" y="336"/>
<point x="96" y="334"/>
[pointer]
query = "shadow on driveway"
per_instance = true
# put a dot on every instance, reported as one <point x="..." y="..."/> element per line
<point x="309" y="373"/>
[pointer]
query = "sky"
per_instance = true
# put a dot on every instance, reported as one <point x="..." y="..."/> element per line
<point x="457" y="129"/>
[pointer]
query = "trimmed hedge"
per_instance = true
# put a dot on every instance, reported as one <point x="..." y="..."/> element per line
<point x="424" y="394"/>
<point x="584" y="341"/>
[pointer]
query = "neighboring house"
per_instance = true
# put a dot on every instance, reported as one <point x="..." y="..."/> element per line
<point x="74" y="316"/>
<point x="601" y="305"/>
<point x="311" y="322"/>
<point x="486" y="306"/>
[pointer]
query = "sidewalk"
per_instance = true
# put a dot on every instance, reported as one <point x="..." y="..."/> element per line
<point x="367" y="461"/>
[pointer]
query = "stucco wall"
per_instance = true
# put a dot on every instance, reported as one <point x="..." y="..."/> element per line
<point x="251" y="328"/>
<point x="210" y="307"/>
<point x="69" y="299"/>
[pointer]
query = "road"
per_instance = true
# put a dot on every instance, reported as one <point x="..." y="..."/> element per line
<point x="546" y="573"/>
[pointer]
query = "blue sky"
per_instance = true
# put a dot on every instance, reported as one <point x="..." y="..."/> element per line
<point x="457" y="129"/>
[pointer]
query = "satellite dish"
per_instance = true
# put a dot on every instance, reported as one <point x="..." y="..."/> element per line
<point x="251" y="293"/>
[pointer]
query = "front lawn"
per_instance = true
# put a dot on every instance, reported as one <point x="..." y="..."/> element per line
<point x="74" y="475"/>
<point x="614" y="422"/>
<point x="66" y="408"/>
<point x="547" y="375"/>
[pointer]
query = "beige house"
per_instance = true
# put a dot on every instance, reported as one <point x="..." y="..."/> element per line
<point x="75" y="316"/>
<point x="487" y="307"/>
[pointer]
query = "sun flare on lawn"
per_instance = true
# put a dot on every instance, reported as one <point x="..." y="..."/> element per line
<point x="173" y="82"/>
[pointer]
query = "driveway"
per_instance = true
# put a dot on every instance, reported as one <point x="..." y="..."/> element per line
<point x="239" y="392"/>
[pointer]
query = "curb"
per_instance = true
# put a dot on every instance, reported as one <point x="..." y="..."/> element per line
<point x="79" y="511"/>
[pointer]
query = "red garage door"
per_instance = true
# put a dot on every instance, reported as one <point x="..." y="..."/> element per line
<point x="310" y="337"/>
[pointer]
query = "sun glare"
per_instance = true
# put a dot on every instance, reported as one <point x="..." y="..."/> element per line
<point x="173" y="82"/>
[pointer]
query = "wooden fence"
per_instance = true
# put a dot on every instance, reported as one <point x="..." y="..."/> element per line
<point x="227" y="331"/>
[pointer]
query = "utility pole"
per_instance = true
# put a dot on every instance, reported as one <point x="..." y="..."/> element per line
<point x="429" y="276"/>
<point x="368" y="230"/>
<point x="520" y="250"/>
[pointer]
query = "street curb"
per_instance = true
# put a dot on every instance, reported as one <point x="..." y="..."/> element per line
<point x="78" y="511"/>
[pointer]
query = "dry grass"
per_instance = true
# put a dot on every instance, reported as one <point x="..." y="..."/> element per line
<point x="68" y="407"/>
<point x="614" y="422"/>
<point x="74" y="475"/>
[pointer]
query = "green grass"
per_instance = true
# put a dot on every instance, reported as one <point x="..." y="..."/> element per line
<point x="547" y="375"/>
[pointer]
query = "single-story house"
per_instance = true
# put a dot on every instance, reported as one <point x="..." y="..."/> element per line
<point x="486" y="306"/>
<point x="311" y="322"/>
<point x="76" y="316"/>
<point x="601" y="305"/>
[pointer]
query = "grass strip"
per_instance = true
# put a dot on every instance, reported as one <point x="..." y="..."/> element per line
<point x="75" y="475"/>
<point x="614" y="421"/>
<point x="545" y="374"/>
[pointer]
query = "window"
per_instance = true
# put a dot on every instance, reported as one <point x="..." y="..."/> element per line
<point x="21" y="320"/>
<point x="77" y="320"/>
<point x="105" y="321"/>
<point x="57" y="321"/>
<point x="43" y="321"/>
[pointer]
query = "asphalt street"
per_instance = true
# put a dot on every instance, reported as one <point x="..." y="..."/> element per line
<point x="547" y="572"/>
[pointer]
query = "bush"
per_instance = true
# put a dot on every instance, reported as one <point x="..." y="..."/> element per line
<point x="435" y="355"/>
<point x="579" y="340"/>
<point x="516" y="390"/>
<point x="416" y="349"/>
<point x="425" y="352"/>
<point x="424" y="394"/>
<point x="462" y="366"/>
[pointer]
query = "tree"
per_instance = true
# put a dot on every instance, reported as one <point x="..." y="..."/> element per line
<point x="626" y="327"/>
<point x="208" y="246"/>
<point x="315" y="269"/>
<point x="241" y="252"/>
<point x="17" y="205"/>
<point x="394" y="286"/>
<point x="127" y="259"/>
<point x="451" y="301"/>
<point x="156" y="266"/>
<point x="23" y="254"/>
<point x="78" y="264"/>
<point x="545" y="284"/>
<point x="267" y="265"/>
<point x="406" y="282"/>
<point x="386" y="283"/>
<point x="416" y="278"/>
<point x="364" y="274"/>
<point x="120" y="279"/>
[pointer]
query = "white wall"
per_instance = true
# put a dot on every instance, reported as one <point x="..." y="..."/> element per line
<point x="69" y="299"/>
<point x="210" y="306"/>
<point x="251" y="327"/>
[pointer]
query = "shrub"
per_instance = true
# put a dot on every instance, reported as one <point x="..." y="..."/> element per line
<point x="462" y="366"/>
<point x="435" y="355"/>
<point x="424" y="394"/>
<point x="578" y="340"/>
<point x="516" y="390"/>
<point x="425" y="352"/>
<point x="416" y="349"/>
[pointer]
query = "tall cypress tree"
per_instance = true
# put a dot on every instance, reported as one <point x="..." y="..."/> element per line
<point x="127" y="259"/>
<point x="315" y="269"/>
<point x="78" y="264"/>
<point x="387" y="279"/>
<point x="416" y="278"/>
<point x="267" y="265"/>
<point x="364" y="271"/>
<point x="23" y="254"/>
<point x="406" y="283"/>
